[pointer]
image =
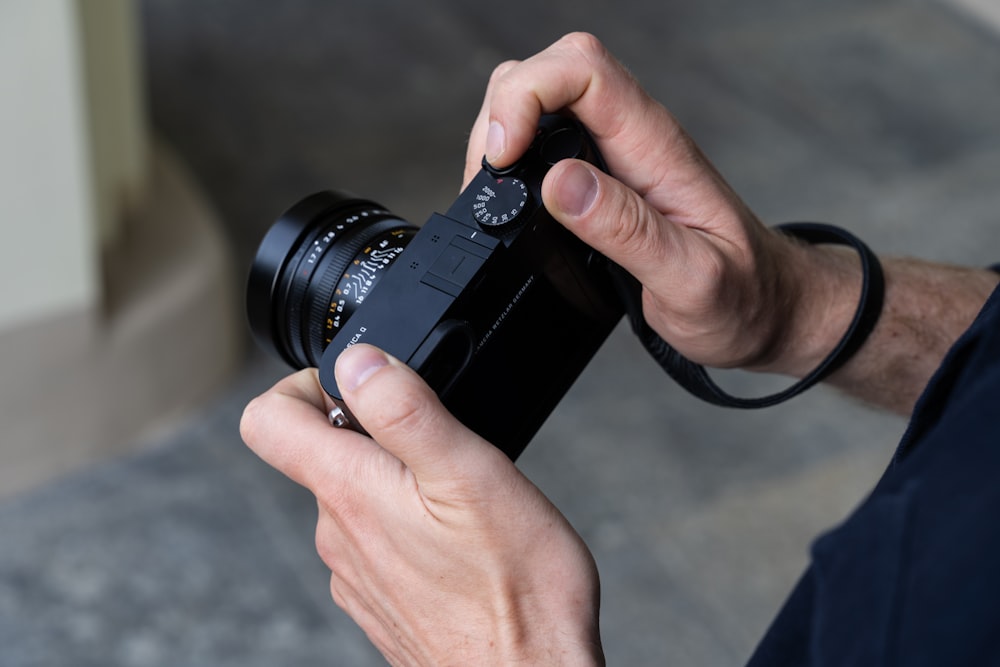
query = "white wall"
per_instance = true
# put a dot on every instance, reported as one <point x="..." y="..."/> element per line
<point x="48" y="248"/>
<point x="73" y="149"/>
<point x="115" y="110"/>
<point x="117" y="307"/>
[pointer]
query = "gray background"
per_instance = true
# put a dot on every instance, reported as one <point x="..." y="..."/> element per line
<point x="879" y="115"/>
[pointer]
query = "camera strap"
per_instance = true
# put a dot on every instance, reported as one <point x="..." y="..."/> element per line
<point x="696" y="380"/>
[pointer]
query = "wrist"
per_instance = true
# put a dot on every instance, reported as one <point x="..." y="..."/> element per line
<point x="550" y="613"/>
<point x="815" y="296"/>
<point x="574" y="642"/>
<point x="569" y="637"/>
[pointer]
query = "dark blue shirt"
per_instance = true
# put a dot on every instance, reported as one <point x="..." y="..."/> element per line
<point x="912" y="577"/>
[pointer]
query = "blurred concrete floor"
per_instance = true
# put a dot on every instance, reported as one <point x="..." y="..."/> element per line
<point x="879" y="115"/>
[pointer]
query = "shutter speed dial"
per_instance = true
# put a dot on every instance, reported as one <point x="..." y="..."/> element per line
<point x="500" y="201"/>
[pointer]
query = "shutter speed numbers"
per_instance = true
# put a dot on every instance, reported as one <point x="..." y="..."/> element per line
<point x="500" y="202"/>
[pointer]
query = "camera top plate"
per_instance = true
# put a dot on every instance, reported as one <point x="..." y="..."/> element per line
<point x="489" y="291"/>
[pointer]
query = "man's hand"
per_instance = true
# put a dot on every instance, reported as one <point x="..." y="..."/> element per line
<point x="710" y="269"/>
<point x="720" y="287"/>
<point x="440" y="549"/>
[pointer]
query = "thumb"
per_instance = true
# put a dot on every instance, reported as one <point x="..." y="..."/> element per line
<point x="406" y="418"/>
<point x="614" y="220"/>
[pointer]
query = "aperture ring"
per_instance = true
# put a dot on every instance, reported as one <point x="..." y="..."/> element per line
<point x="331" y="269"/>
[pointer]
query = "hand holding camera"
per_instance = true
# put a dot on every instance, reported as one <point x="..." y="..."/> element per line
<point x="428" y="530"/>
<point x="719" y="286"/>
<point x="475" y="300"/>
<point x="496" y="286"/>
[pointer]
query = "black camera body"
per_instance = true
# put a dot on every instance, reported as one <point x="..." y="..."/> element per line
<point x="497" y="306"/>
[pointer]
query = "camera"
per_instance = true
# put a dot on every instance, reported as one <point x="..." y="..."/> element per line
<point x="497" y="306"/>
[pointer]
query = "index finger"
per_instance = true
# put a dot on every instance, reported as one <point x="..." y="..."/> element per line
<point x="644" y="146"/>
<point x="287" y="427"/>
<point x="576" y="74"/>
<point x="477" y="137"/>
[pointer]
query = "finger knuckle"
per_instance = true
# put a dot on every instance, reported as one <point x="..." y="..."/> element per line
<point x="338" y="597"/>
<point x="713" y="270"/>
<point x="501" y="70"/>
<point x="326" y="545"/>
<point x="585" y="43"/>
<point x="712" y="267"/>
<point x="253" y="418"/>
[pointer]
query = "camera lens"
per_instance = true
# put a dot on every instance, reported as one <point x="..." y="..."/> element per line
<point x="315" y="266"/>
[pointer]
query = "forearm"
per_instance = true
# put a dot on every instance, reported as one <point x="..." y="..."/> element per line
<point x="927" y="307"/>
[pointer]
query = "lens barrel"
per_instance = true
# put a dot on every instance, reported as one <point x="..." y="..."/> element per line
<point x="319" y="261"/>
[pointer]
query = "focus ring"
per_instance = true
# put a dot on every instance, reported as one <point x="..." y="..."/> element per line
<point x="331" y="268"/>
<point x="300" y="279"/>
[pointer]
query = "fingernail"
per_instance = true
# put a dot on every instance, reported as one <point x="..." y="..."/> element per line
<point x="577" y="190"/>
<point x="358" y="363"/>
<point x="496" y="142"/>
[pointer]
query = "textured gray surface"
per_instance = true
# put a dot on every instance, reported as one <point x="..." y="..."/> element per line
<point x="878" y="115"/>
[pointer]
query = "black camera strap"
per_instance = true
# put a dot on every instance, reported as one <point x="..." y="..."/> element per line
<point x="695" y="379"/>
